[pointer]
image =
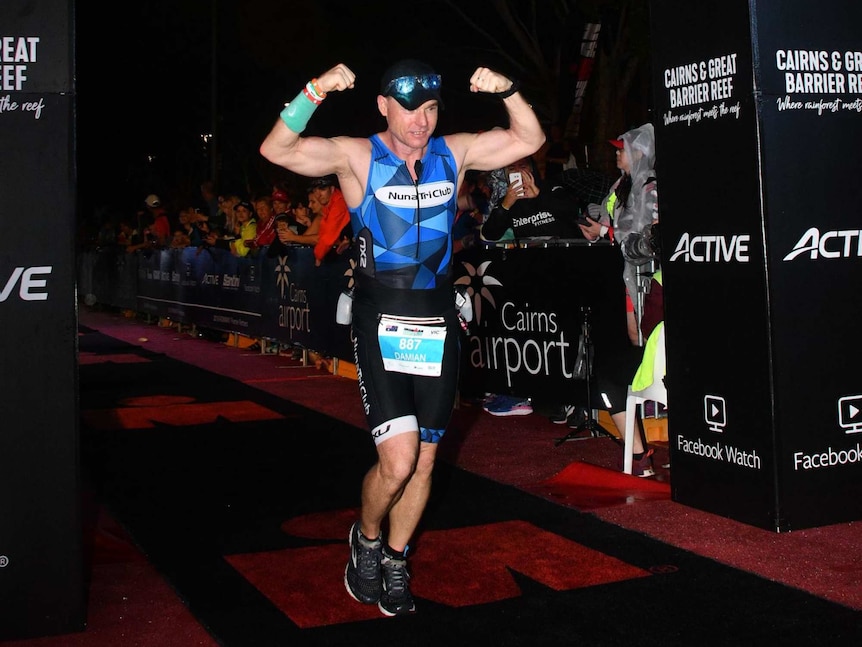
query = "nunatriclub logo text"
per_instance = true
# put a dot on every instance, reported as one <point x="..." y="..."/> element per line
<point x="839" y="243"/>
<point x="430" y="194"/>
<point x="31" y="287"/>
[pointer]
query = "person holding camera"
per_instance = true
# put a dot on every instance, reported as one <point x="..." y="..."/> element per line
<point x="531" y="212"/>
<point x="629" y="208"/>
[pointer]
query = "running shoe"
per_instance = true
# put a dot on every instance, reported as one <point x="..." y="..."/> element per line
<point x="362" y="577"/>
<point x="578" y="417"/>
<point x="504" y="405"/>
<point x="643" y="466"/>
<point x="395" y="600"/>
<point x="561" y="416"/>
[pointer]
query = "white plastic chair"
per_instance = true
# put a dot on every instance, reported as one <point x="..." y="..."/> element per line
<point x="655" y="392"/>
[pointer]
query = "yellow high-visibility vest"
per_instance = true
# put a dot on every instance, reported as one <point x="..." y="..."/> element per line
<point x="612" y="200"/>
<point x="644" y="375"/>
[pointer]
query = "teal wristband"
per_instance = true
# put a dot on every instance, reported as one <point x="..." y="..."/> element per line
<point x="297" y="113"/>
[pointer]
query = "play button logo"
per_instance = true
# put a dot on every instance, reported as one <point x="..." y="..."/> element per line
<point x="850" y="414"/>
<point x="715" y="412"/>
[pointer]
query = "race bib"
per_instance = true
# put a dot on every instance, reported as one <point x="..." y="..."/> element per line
<point x="412" y="345"/>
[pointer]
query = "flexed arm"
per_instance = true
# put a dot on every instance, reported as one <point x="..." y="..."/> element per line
<point x="499" y="147"/>
<point x="309" y="156"/>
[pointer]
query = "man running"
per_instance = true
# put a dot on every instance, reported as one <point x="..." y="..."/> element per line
<point x="401" y="186"/>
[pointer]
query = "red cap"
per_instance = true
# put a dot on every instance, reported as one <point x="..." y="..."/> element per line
<point x="280" y="195"/>
<point x="617" y="143"/>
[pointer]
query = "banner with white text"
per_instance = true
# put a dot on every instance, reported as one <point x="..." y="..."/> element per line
<point x="41" y="557"/>
<point x="756" y="104"/>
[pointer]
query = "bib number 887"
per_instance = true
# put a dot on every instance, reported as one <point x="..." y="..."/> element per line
<point x="409" y="344"/>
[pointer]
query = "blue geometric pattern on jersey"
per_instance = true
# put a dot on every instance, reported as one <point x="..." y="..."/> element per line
<point x="406" y="252"/>
<point x="430" y="435"/>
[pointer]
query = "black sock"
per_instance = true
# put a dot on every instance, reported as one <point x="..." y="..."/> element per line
<point x="395" y="554"/>
<point x="362" y="534"/>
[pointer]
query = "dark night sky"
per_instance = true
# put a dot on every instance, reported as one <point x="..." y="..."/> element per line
<point x="144" y="83"/>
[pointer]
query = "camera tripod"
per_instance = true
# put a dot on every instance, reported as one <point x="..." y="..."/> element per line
<point x="589" y="427"/>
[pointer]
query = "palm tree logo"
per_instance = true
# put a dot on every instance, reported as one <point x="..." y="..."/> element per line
<point x="478" y="281"/>
<point x="282" y="272"/>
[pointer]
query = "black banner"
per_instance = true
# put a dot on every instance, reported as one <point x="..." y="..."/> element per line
<point x="41" y="561"/>
<point x="530" y="306"/>
<point x="762" y="254"/>
<point x="285" y="298"/>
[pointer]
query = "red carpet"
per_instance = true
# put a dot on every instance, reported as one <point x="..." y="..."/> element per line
<point x="588" y="487"/>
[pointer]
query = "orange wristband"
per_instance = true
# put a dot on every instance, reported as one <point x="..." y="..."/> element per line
<point x="316" y="87"/>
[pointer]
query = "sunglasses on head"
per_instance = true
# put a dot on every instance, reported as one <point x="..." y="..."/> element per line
<point x="404" y="85"/>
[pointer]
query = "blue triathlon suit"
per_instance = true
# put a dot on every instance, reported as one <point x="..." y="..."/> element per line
<point x="404" y="256"/>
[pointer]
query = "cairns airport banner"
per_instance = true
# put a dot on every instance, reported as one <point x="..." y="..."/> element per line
<point x="758" y="108"/>
<point x="531" y="306"/>
<point x="41" y="563"/>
